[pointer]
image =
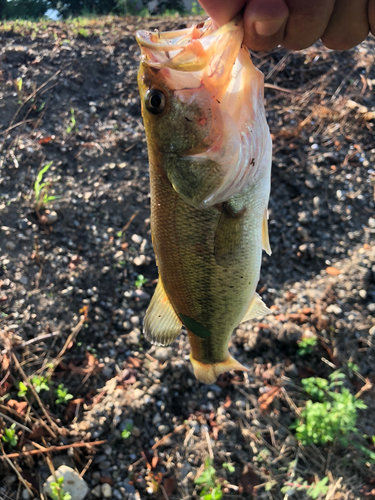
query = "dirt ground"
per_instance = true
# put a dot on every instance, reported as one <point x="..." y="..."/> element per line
<point x="77" y="273"/>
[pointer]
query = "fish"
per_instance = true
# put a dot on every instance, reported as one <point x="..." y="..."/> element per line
<point x="210" y="153"/>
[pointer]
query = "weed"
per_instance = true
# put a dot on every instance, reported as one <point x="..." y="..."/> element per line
<point x="9" y="436"/>
<point x="40" y="383"/>
<point x="57" y="490"/>
<point x="311" y="490"/>
<point x="62" y="395"/>
<point x="211" y="487"/>
<point x="229" y="467"/>
<point x="140" y="281"/>
<point x="306" y="345"/>
<point x="333" y="416"/>
<point x="41" y="189"/>
<point x="22" y="389"/>
<point x="84" y="33"/>
<point x="127" y="432"/>
<point x="18" y="85"/>
<point x="72" y="126"/>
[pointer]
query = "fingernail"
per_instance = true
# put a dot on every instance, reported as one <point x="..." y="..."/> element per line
<point x="268" y="28"/>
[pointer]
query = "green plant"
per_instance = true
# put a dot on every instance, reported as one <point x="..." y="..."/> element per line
<point x="211" y="487"/>
<point x="196" y="9"/>
<point x="62" y="395"/>
<point x="40" y="383"/>
<point x="71" y="127"/>
<point x="311" y="490"/>
<point x="84" y="32"/>
<point x="9" y="436"/>
<point x="306" y="345"/>
<point x="127" y="432"/>
<point x="18" y="85"/>
<point x="229" y="467"/>
<point x="140" y="281"/>
<point x="57" y="490"/>
<point x="22" y="389"/>
<point x="333" y="416"/>
<point x="41" y="189"/>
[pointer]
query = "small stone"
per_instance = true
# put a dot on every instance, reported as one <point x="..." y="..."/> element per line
<point x="136" y="238"/>
<point x="135" y="320"/>
<point x="291" y="441"/>
<point x="117" y="494"/>
<point x="334" y="308"/>
<point x="363" y="294"/>
<point x="97" y="491"/>
<point x="163" y="353"/>
<point x="157" y="419"/>
<point x="140" y="260"/>
<point x="138" y="394"/>
<point x="106" y="490"/>
<point x="372" y="330"/>
<point x="73" y="484"/>
<point x="10" y="245"/>
<point x="141" y="295"/>
<point x="136" y="431"/>
<point x="25" y="495"/>
<point x="134" y="337"/>
<point x="67" y="292"/>
<point x="371" y="307"/>
<point x="163" y="429"/>
<point x="317" y="201"/>
<point x="309" y="183"/>
<point x="52" y="217"/>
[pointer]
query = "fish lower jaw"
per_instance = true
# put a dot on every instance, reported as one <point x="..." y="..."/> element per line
<point x="207" y="373"/>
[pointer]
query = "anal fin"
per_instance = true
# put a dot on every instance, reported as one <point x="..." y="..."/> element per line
<point x="257" y="309"/>
<point x="265" y="237"/>
<point x="161" y="325"/>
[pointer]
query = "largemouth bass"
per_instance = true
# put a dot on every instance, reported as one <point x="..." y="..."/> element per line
<point x="209" y="150"/>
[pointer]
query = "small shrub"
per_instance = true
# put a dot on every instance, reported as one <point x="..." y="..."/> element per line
<point x="333" y="416"/>
<point x="140" y="281"/>
<point x="127" y="432"/>
<point x="211" y="487"/>
<point x="311" y="490"/>
<point x="62" y="395"/>
<point x="9" y="436"/>
<point x="57" y="490"/>
<point x="40" y="383"/>
<point x="41" y="189"/>
<point x="306" y="345"/>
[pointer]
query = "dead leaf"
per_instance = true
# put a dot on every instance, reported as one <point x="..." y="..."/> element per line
<point x="333" y="271"/>
<point x="265" y="400"/>
<point x="248" y="480"/>
<point x="18" y="406"/>
<point x="170" y="485"/>
<point x="228" y="401"/>
<point x="45" y="140"/>
<point x="155" y="460"/>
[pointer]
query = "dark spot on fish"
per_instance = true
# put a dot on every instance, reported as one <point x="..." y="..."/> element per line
<point x="195" y="327"/>
<point x="187" y="119"/>
<point x="218" y="101"/>
<point x="252" y="163"/>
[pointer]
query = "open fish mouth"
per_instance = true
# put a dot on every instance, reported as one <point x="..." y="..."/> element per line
<point x="210" y="67"/>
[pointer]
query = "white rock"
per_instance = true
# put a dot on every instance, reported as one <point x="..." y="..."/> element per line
<point x="72" y="484"/>
<point x="106" y="490"/>
<point x="25" y="495"/>
<point x="10" y="245"/>
<point x="136" y="238"/>
<point x="372" y="330"/>
<point x="334" y="308"/>
<point x="52" y="217"/>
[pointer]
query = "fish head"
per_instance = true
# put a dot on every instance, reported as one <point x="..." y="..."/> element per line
<point x="202" y="107"/>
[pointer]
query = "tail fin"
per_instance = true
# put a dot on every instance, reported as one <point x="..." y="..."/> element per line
<point x="208" y="373"/>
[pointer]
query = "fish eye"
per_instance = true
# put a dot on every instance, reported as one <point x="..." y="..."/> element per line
<point x="155" y="101"/>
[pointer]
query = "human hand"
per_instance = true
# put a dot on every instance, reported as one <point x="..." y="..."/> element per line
<point x="297" y="24"/>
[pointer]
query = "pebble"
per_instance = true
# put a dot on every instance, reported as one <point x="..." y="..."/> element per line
<point x="73" y="484"/>
<point x="291" y="441"/>
<point x="141" y="295"/>
<point x="133" y="337"/>
<point x="363" y="294"/>
<point x="135" y="320"/>
<point x="25" y="495"/>
<point x="334" y="308"/>
<point x="163" y="353"/>
<point x="163" y="429"/>
<point x="157" y="419"/>
<point x="97" y="491"/>
<point x="139" y="260"/>
<point x="136" y="238"/>
<point x="52" y="217"/>
<point x="372" y="330"/>
<point x="10" y="245"/>
<point x="371" y="307"/>
<point x="106" y="490"/>
<point x="67" y="292"/>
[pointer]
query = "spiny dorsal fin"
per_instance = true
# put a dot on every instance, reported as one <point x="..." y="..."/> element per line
<point x="257" y="309"/>
<point x="161" y="325"/>
<point x="265" y="238"/>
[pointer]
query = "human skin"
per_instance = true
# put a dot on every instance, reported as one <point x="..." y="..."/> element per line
<point x="297" y="24"/>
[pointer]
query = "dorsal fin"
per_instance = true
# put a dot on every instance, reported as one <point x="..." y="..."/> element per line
<point x="161" y="325"/>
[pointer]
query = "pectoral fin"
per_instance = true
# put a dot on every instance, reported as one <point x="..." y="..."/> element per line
<point x="257" y="309"/>
<point x="161" y="325"/>
<point x="265" y="238"/>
